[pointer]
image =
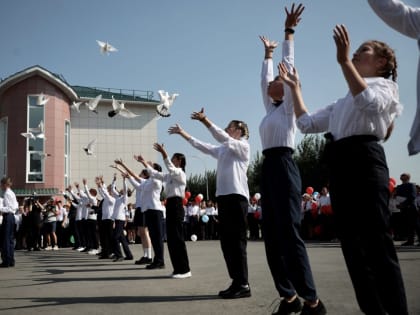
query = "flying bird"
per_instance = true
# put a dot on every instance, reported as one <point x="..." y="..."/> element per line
<point x="28" y="135"/>
<point x="90" y="148"/>
<point x="166" y="102"/>
<point x="76" y="106"/>
<point x="42" y="155"/>
<point x="119" y="109"/>
<point x="93" y="103"/>
<point x="41" y="130"/>
<point x="41" y="100"/>
<point x="105" y="47"/>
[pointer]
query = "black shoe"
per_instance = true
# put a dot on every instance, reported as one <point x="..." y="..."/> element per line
<point x="317" y="310"/>
<point x="286" y="308"/>
<point x="117" y="259"/>
<point x="129" y="258"/>
<point x="3" y="265"/>
<point x="144" y="261"/>
<point x="236" y="292"/>
<point x="155" y="265"/>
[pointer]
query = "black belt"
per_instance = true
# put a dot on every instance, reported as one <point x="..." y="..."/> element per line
<point x="352" y="139"/>
<point x="6" y="213"/>
<point x="277" y="150"/>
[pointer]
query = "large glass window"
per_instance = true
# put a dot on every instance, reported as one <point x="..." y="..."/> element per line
<point x="3" y="147"/>
<point x="66" y="154"/>
<point x="35" y="144"/>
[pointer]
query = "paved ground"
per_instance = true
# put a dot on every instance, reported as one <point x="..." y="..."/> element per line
<point x="69" y="282"/>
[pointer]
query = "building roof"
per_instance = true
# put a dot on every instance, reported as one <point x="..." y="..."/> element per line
<point x="136" y="96"/>
<point x="26" y="192"/>
<point x="53" y="78"/>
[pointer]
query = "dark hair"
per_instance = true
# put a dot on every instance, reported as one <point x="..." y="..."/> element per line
<point x="182" y="158"/>
<point x="243" y="127"/>
<point x="383" y="50"/>
<point x="157" y="167"/>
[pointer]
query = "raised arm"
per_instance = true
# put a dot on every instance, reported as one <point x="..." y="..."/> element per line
<point x="354" y="80"/>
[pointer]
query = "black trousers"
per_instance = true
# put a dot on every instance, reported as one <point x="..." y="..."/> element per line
<point x="232" y="228"/>
<point x="175" y="235"/>
<point x="119" y="238"/>
<point x="7" y="232"/>
<point x="281" y="216"/>
<point x="105" y="235"/>
<point x="154" y="220"/>
<point x="358" y="165"/>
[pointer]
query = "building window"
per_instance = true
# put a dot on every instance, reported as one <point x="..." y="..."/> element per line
<point x="66" y="154"/>
<point x="3" y="147"/>
<point x="35" y="145"/>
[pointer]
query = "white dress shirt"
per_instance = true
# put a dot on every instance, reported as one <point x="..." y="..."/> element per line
<point x="406" y="20"/>
<point x="108" y="204"/>
<point x="278" y="127"/>
<point x="232" y="156"/>
<point x="368" y="113"/>
<point x="174" y="182"/>
<point x="150" y="197"/>
<point x="9" y="204"/>
<point x="120" y="204"/>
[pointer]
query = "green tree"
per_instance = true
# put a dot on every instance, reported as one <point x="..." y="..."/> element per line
<point x="199" y="184"/>
<point x="308" y="157"/>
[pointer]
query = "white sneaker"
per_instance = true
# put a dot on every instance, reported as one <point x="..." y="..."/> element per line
<point x="80" y="249"/>
<point x="55" y="247"/>
<point x="48" y="248"/>
<point x="93" y="252"/>
<point x="182" y="275"/>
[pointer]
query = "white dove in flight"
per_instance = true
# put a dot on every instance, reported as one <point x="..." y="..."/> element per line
<point x="42" y="155"/>
<point x="119" y="109"/>
<point x="93" y="103"/>
<point x="105" y="47"/>
<point x="76" y="106"/>
<point x="41" y="130"/>
<point x="90" y="148"/>
<point x="28" y="135"/>
<point x="41" y="100"/>
<point x="166" y="102"/>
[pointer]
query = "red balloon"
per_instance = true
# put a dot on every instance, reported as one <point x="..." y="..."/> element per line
<point x="198" y="199"/>
<point x="187" y="194"/>
<point x="391" y="187"/>
<point x="257" y="214"/>
<point x="185" y="201"/>
<point x="392" y="180"/>
<point x="309" y="190"/>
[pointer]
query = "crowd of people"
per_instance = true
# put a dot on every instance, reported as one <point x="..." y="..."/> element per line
<point x="100" y="220"/>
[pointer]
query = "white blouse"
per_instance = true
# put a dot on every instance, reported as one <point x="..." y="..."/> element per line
<point x="368" y="113"/>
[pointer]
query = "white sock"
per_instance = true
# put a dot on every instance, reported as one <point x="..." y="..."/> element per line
<point x="148" y="252"/>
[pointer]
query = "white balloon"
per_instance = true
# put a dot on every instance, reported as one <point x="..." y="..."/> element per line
<point x="257" y="196"/>
<point x="193" y="237"/>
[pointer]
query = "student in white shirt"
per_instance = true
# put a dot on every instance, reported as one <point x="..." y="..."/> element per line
<point x="120" y="220"/>
<point x="356" y="124"/>
<point x="281" y="184"/>
<point x="175" y="182"/>
<point x="106" y="228"/>
<point x="139" y="215"/>
<point x="8" y="207"/>
<point x="406" y="20"/>
<point x="233" y="155"/>
<point x="154" y="213"/>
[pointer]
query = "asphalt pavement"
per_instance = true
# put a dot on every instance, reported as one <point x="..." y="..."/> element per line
<point x="70" y="282"/>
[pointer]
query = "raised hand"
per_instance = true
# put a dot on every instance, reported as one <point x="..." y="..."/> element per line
<point x="198" y="115"/>
<point x="176" y="129"/>
<point x="268" y="44"/>
<point x="293" y="17"/>
<point x="342" y="42"/>
<point x="291" y="79"/>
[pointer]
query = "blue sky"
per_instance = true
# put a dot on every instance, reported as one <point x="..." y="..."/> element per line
<point x="207" y="51"/>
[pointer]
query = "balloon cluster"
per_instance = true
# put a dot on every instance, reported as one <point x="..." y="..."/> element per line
<point x="187" y="197"/>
